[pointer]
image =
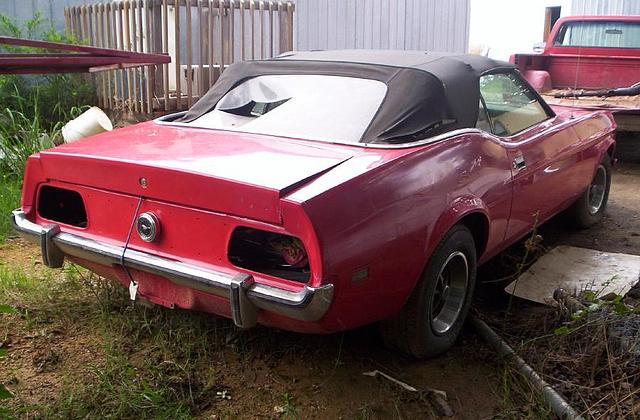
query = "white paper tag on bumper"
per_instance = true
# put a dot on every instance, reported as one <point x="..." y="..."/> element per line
<point x="133" y="290"/>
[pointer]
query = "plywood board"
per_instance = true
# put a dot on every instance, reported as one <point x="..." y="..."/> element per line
<point x="576" y="269"/>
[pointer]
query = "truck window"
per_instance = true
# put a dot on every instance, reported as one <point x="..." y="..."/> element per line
<point x="605" y="34"/>
<point x="510" y="104"/>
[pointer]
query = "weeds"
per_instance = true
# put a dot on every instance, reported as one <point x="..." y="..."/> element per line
<point x="289" y="409"/>
<point x="4" y="392"/>
<point x="55" y="94"/>
<point x="20" y="137"/>
<point x="9" y="200"/>
<point x="32" y="111"/>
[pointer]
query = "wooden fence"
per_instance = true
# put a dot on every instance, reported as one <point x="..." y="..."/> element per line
<point x="202" y="36"/>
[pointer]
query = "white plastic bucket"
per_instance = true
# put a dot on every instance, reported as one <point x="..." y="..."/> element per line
<point x="90" y="122"/>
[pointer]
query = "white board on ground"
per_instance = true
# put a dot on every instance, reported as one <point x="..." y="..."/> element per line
<point x="576" y="269"/>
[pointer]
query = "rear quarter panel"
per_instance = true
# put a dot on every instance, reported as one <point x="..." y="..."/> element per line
<point x="384" y="211"/>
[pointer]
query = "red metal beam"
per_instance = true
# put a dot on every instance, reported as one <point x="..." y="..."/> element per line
<point x="83" y="59"/>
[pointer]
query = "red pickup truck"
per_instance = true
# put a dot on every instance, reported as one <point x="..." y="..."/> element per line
<point x="590" y="62"/>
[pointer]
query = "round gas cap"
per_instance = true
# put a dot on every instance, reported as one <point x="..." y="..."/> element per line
<point x="148" y="226"/>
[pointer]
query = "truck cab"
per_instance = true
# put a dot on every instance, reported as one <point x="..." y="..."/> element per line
<point x="590" y="62"/>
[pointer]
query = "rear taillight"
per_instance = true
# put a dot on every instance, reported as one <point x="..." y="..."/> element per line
<point x="62" y="205"/>
<point x="270" y="253"/>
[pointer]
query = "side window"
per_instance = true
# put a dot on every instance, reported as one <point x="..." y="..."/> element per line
<point x="483" y="120"/>
<point x="511" y="105"/>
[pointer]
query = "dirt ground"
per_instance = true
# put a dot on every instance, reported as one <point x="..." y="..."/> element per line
<point x="323" y="375"/>
<point x="583" y="365"/>
<point x="620" y="229"/>
<point x="270" y="374"/>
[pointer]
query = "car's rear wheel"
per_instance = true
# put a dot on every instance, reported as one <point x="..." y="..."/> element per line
<point x="432" y="318"/>
<point x="589" y="208"/>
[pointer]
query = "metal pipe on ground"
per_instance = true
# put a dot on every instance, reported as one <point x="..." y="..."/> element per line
<point x="555" y="401"/>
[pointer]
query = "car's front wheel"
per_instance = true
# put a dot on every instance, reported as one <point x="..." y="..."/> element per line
<point x="589" y="208"/>
<point x="432" y="318"/>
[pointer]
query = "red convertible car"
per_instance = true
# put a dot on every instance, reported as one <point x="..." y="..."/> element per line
<point x="321" y="191"/>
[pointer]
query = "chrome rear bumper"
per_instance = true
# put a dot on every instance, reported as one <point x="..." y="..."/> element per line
<point x="245" y="296"/>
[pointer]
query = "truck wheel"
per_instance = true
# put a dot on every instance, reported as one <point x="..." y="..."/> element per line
<point x="589" y="208"/>
<point x="432" y="318"/>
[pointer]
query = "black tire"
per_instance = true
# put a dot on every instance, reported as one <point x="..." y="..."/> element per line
<point x="420" y="330"/>
<point x="589" y="208"/>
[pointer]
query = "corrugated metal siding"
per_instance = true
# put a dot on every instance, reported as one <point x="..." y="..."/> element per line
<point x="605" y="7"/>
<point x="23" y="10"/>
<point x="437" y="25"/>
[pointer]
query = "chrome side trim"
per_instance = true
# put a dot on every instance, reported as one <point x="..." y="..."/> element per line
<point x="244" y="294"/>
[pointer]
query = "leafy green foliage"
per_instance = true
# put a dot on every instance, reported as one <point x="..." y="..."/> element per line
<point x="22" y="135"/>
<point x="597" y="307"/>
<point x="34" y="107"/>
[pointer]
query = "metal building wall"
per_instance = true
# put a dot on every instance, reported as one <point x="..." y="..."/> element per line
<point x="605" y="7"/>
<point x="23" y="10"/>
<point x="436" y="25"/>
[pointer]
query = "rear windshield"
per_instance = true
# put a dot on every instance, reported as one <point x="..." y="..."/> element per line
<point x="314" y="107"/>
<point x="607" y="34"/>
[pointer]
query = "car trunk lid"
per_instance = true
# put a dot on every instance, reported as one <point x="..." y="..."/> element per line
<point x="228" y="172"/>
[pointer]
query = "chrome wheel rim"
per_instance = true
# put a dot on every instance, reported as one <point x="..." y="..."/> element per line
<point x="450" y="292"/>
<point x="597" y="190"/>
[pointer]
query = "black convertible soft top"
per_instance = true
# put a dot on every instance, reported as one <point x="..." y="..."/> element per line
<point x="427" y="93"/>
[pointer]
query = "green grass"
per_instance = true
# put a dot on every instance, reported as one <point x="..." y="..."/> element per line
<point x="9" y="200"/>
<point x="20" y="136"/>
<point x="32" y="110"/>
<point x="150" y="362"/>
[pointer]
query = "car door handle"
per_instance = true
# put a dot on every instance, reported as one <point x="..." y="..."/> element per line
<point x="518" y="162"/>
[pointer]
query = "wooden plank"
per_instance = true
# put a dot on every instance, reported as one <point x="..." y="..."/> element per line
<point x="87" y="26"/>
<point x="67" y="20"/>
<point x="126" y="42"/>
<point x="91" y="25"/>
<point x="165" y="49"/>
<point x="283" y="20"/>
<point x="226" y="3"/>
<point x="189" y="56"/>
<point x="141" y="70"/>
<point x="90" y="32"/>
<point x="242" y="31"/>
<point x="83" y="31"/>
<point x="76" y="23"/>
<point x="177" y="52"/>
<point x="232" y="29"/>
<point x="152" y="35"/>
<point x="221" y="14"/>
<point x="261" y="16"/>
<point x="116" y="66"/>
<point x="71" y="27"/>
<point x="201" y="53"/>
<point x="206" y="46"/>
<point x="98" y="13"/>
<point x="212" y="47"/>
<point x="270" y="29"/>
<point x="132" y="47"/>
<point x="119" y="41"/>
<point x="290" y="8"/>
<point x="252" y="8"/>
<point x="107" y="40"/>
